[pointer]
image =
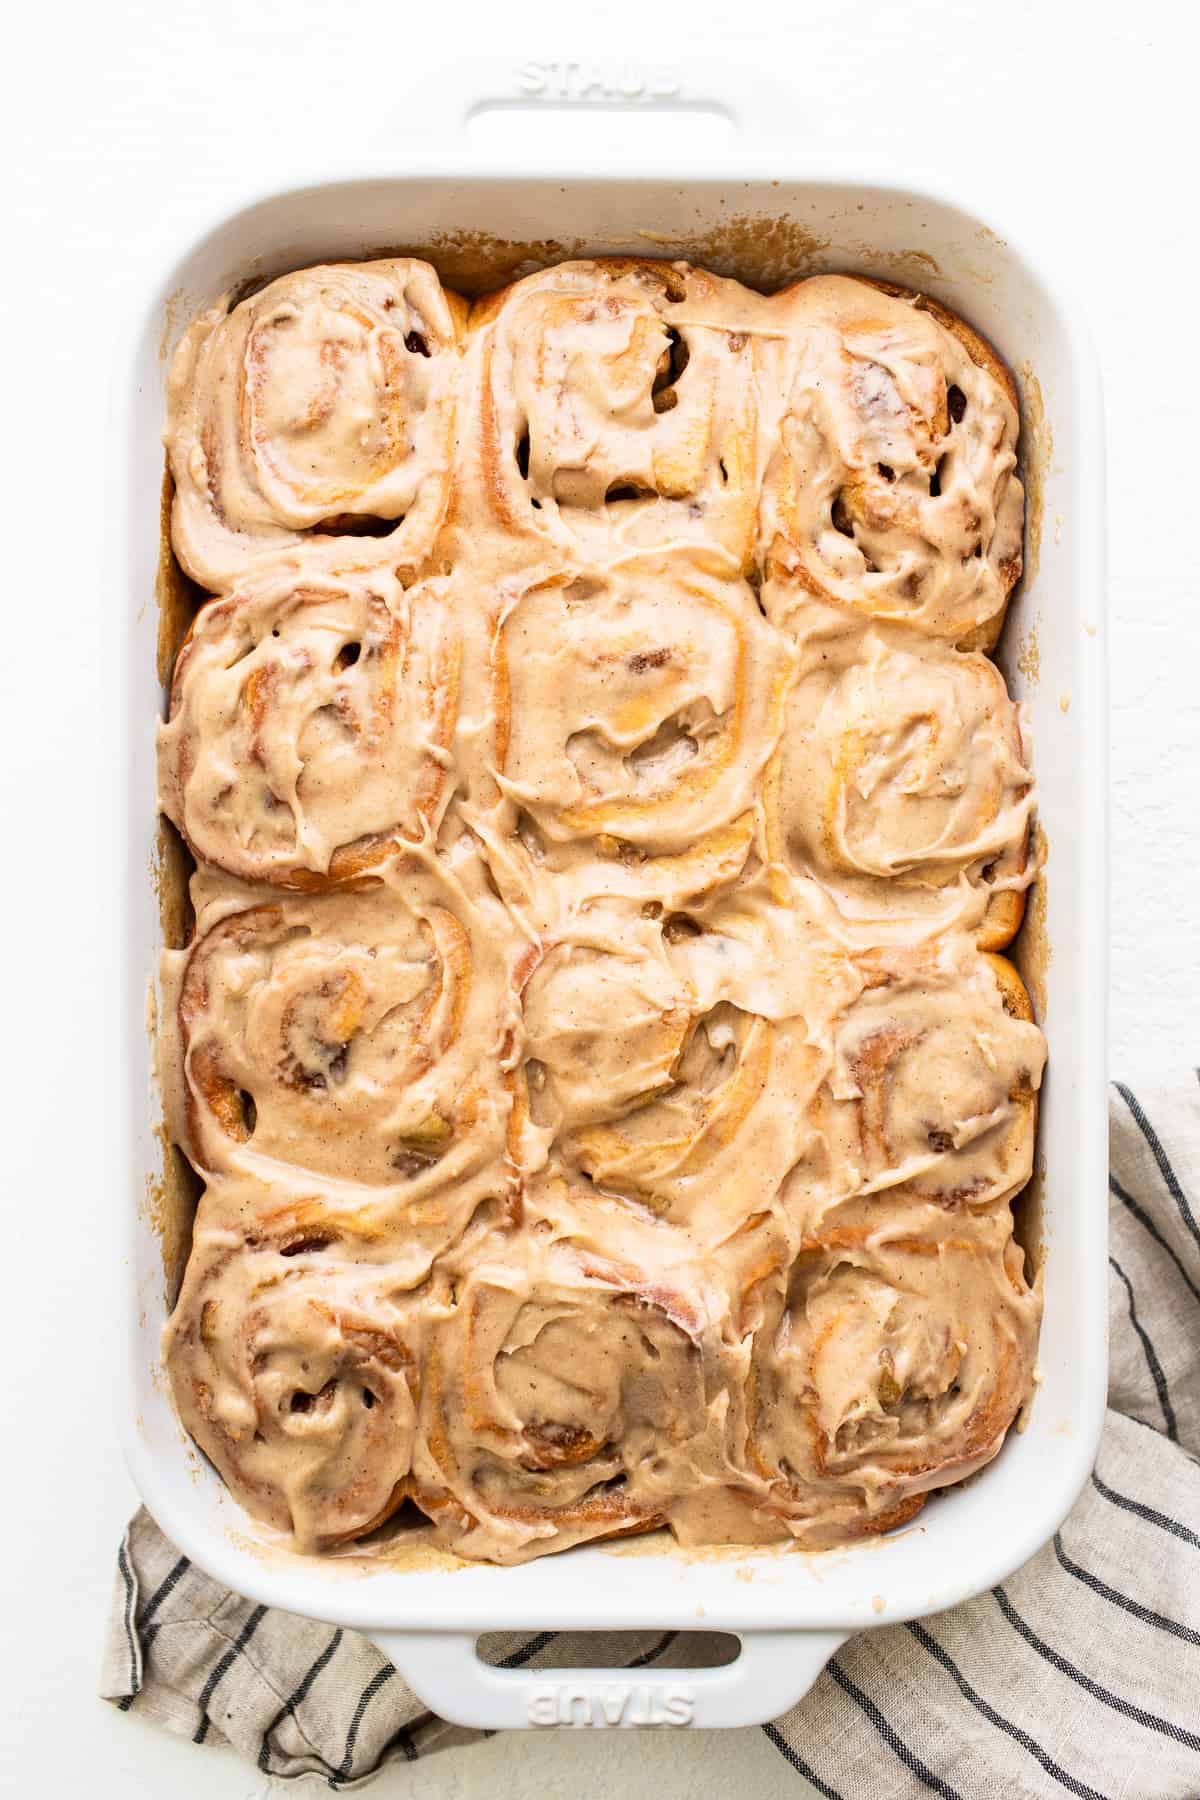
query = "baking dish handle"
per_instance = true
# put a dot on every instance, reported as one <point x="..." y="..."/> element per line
<point x="509" y="92"/>
<point x="774" y="1670"/>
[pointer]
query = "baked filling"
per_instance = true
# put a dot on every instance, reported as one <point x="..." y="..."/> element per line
<point x="594" y="1040"/>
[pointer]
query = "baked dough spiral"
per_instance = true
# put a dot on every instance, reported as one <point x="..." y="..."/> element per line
<point x="894" y="487"/>
<point x="653" y="1082"/>
<point x="619" y="407"/>
<point x="932" y="1088"/>
<point x="315" y="409"/>
<point x="888" y="1362"/>
<point x="903" y="780"/>
<point x="359" y="1036"/>
<point x="564" y="1393"/>
<point x="298" y="1377"/>
<point x="638" y="707"/>
<point x="311" y="726"/>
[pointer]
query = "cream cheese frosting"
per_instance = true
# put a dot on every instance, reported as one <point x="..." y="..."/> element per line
<point x="609" y="1102"/>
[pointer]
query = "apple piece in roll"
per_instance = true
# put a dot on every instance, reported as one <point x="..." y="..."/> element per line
<point x="317" y="410"/>
<point x="894" y="487"/>
<point x="564" y="1395"/>
<point x="620" y="408"/>
<point x="888" y="1362"/>
<point x="903" y="785"/>
<point x="296" y="1373"/>
<point x="362" y="1036"/>
<point x="638" y="707"/>
<point x="311" y="726"/>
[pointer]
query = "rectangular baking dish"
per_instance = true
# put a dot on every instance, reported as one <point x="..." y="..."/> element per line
<point x="764" y="212"/>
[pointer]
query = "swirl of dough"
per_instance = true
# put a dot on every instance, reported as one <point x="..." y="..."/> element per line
<point x="889" y="1361"/>
<point x="619" y="407"/>
<point x="653" y="1076"/>
<point x="902" y="775"/>
<point x="932" y="1090"/>
<point x="894" y="485"/>
<point x="362" y="1036"/>
<point x="311" y="725"/>
<point x="323" y="404"/>
<point x="297" y="1376"/>
<point x="638" y="706"/>
<point x="564" y="1396"/>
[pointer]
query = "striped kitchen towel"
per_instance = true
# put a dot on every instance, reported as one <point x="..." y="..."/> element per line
<point x="1079" y="1675"/>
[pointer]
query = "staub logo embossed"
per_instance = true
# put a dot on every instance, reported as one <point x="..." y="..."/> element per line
<point x="616" y="1703"/>
<point x="597" y="83"/>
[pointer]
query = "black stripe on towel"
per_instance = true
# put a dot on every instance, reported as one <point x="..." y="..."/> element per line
<point x="798" y="1763"/>
<point x="1164" y="1521"/>
<point x="1151" y="1721"/>
<point x="1143" y="1218"/>
<point x="364" y="1700"/>
<point x="130" y="1598"/>
<point x="654" y="1652"/>
<point x="1160" y="1156"/>
<point x="1152" y="1362"/>
<point x="516" y="1659"/>
<point x="404" y="1738"/>
<point x="294" y="1699"/>
<point x="221" y="1668"/>
<point x="1145" y="1613"/>
<point x="165" y="1588"/>
<point x="911" y="1762"/>
<point x="1006" y="1725"/>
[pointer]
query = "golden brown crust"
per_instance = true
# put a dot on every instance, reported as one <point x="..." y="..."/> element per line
<point x="978" y="348"/>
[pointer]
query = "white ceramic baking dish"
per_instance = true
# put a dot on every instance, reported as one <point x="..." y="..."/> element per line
<point x="751" y="207"/>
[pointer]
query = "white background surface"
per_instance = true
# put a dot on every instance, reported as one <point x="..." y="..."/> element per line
<point x="125" y="119"/>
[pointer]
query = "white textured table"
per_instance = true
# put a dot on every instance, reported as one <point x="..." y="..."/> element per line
<point x="1079" y="121"/>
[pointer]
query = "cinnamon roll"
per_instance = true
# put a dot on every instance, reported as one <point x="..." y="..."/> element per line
<point x="315" y="410"/>
<point x="888" y="1362"/>
<point x="667" y="1064"/>
<point x="903" y="782"/>
<point x="311" y="726"/>
<point x="639" y="705"/>
<point x="932" y="1087"/>
<point x="563" y="1396"/>
<point x="297" y="1374"/>
<point x="893" y="488"/>
<point x="620" y="406"/>
<point x="360" y="1036"/>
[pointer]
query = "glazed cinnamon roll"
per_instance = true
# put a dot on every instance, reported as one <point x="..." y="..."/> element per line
<point x="563" y="1395"/>
<point x="903" y="782"/>
<point x="317" y="409"/>
<point x="360" y="1036"/>
<point x="888" y="1362"/>
<point x="932" y="1088"/>
<point x="297" y="1374"/>
<point x="893" y="488"/>
<point x="619" y="406"/>
<point x="652" y="1071"/>
<point x="639" y="705"/>
<point x="311" y="726"/>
